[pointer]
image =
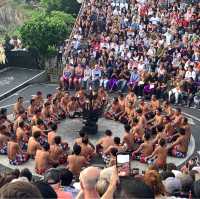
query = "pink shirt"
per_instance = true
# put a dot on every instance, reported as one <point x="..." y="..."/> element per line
<point x="60" y="193"/>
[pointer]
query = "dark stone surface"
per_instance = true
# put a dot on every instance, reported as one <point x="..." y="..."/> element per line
<point x="13" y="77"/>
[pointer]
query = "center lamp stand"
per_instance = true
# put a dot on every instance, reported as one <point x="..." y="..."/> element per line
<point x="90" y="113"/>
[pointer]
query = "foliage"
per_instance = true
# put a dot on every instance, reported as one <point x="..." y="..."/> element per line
<point x="44" y="32"/>
<point x="68" y="6"/>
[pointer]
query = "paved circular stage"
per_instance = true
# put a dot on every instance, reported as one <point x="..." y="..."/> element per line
<point x="69" y="130"/>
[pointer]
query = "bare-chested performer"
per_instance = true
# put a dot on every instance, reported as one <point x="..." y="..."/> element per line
<point x="157" y="120"/>
<point x="39" y="100"/>
<point x="31" y="108"/>
<point x="40" y="127"/>
<point x="142" y="122"/>
<point x="43" y="160"/>
<point x="73" y="108"/>
<point x="105" y="141"/>
<point x="130" y="98"/>
<point x="4" y="121"/>
<point x="22" y="136"/>
<point x="180" y="147"/>
<point x="56" y="110"/>
<point x="137" y="131"/>
<point x="128" y="113"/>
<point x="86" y="150"/>
<point x="117" y="144"/>
<point x="145" y="108"/>
<point x="46" y="113"/>
<point x="37" y="115"/>
<point x="167" y="108"/>
<point x="52" y="134"/>
<point x="15" y="154"/>
<point x="58" y="152"/>
<point x="59" y="94"/>
<point x="3" y="140"/>
<point x="76" y="161"/>
<point x="65" y="101"/>
<point x="160" y="134"/>
<point x="122" y="102"/>
<point x="81" y="97"/>
<point x="155" y="104"/>
<point x="102" y="96"/>
<point x="19" y="106"/>
<point x="113" y="112"/>
<point x="144" y="150"/>
<point x="159" y="156"/>
<point x="128" y="139"/>
<point x="187" y="128"/>
<point x="177" y="118"/>
<point x="79" y="139"/>
<point x="33" y="144"/>
<point x="22" y="116"/>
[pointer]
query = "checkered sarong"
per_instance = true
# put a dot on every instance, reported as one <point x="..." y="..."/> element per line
<point x="19" y="159"/>
<point x="106" y="158"/>
<point x="3" y="150"/>
<point x="43" y="140"/>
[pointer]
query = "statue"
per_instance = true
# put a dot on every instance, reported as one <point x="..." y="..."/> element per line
<point x="2" y="55"/>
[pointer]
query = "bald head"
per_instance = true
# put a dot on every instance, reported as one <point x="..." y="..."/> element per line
<point x="89" y="177"/>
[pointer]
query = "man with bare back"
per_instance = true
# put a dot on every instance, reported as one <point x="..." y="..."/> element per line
<point x="57" y="152"/>
<point x="33" y="144"/>
<point x="3" y="140"/>
<point x="15" y="154"/>
<point x="52" y="133"/>
<point x="180" y="147"/>
<point x="177" y="118"/>
<point x="159" y="156"/>
<point x="42" y="160"/>
<point x="106" y="141"/>
<point x="128" y="139"/>
<point x="144" y="150"/>
<point x="22" y="136"/>
<point x="76" y="161"/>
<point x="86" y="150"/>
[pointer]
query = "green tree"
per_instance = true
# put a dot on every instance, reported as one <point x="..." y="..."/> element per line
<point x="44" y="32"/>
<point x="68" y="6"/>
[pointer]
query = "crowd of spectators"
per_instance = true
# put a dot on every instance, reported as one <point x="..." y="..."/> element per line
<point x="150" y="48"/>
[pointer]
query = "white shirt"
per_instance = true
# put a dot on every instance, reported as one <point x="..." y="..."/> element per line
<point x="87" y="74"/>
<point x="168" y="37"/>
<point x="96" y="74"/>
<point x="189" y="74"/>
<point x="154" y="20"/>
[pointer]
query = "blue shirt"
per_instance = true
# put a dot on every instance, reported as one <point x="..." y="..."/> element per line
<point x="134" y="77"/>
<point x="71" y="190"/>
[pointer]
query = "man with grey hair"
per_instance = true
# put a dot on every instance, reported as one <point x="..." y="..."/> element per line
<point x="88" y="180"/>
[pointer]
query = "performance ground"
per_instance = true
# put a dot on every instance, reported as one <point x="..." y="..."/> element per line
<point x="68" y="129"/>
